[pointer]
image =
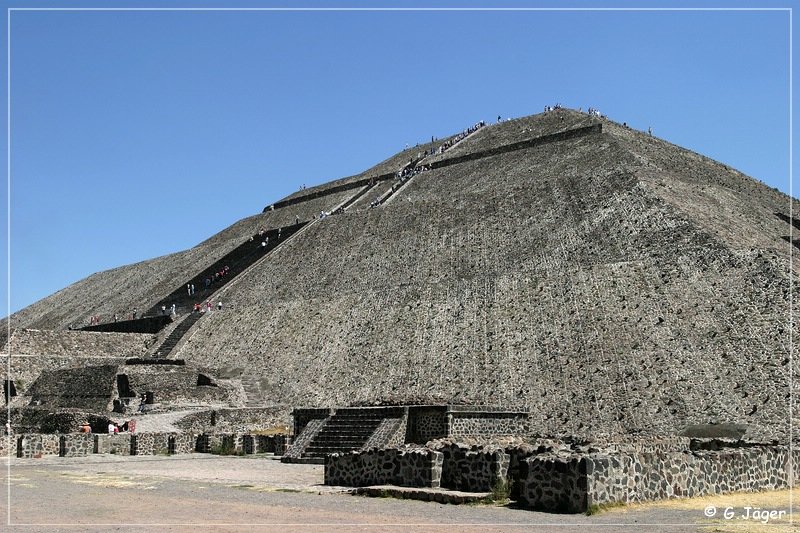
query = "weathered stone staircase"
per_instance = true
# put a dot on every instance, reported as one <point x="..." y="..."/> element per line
<point x="173" y="338"/>
<point x="237" y="261"/>
<point x="252" y="389"/>
<point x="345" y="431"/>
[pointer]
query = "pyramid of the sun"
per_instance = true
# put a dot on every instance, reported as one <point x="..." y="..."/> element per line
<point x="600" y="278"/>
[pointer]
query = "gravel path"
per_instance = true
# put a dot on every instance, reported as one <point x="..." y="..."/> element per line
<point x="259" y="493"/>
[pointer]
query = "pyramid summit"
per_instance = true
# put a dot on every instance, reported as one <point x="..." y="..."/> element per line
<point x="600" y="279"/>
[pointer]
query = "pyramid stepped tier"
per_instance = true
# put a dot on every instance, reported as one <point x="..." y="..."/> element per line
<point x="144" y="285"/>
<point x="599" y="278"/>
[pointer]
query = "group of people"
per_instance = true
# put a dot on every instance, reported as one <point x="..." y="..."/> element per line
<point x="95" y="320"/>
<point x="461" y="136"/>
<point x="113" y="427"/>
<point x="217" y="276"/>
<point x="172" y="310"/>
<point x="207" y="307"/>
<point x="405" y="174"/>
<point x="595" y="112"/>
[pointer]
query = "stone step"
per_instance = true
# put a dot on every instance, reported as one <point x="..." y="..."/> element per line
<point x="342" y="436"/>
<point x="321" y="452"/>
<point x="352" y="427"/>
<point x="354" y="423"/>
<point x="338" y="442"/>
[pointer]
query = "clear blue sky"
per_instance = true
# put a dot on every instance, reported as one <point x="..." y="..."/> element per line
<point x="140" y="133"/>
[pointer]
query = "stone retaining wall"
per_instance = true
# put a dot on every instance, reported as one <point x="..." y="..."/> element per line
<point x="574" y="483"/>
<point x="85" y="343"/>
<point x="241" y="420"/>
<point x="404" y="468"/>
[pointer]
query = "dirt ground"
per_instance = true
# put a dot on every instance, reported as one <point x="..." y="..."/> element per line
<point x="259" y="493"/>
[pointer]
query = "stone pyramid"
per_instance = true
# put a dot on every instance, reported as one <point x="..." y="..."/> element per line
<point x="602" y="279"/>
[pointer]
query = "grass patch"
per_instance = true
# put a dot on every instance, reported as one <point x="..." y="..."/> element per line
<point x="597" y="508"/>
<point x="498" y="496"/>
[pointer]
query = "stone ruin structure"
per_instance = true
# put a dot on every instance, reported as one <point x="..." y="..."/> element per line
<point x="584" y="279"/>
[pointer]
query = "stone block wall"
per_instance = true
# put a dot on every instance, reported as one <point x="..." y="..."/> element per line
<point x="473" y="468"/>
<point x="234" y="442"/>
<point x="245" y="444"/>
<point x="162" y="443"/>
<point x="82" y="444"/>
<point x="76" y="444"/>
<point x="6" y="445"/>
<point x="276" y="444"/>
<point x="33" y="445"/>
<point x="426" y="423"/>
<point x="119" y="444"/>
<point x="405" y="468"/>
<point x="485" y="424"/>
<point x="180" y="443"/>
<point x="574" y="483"/>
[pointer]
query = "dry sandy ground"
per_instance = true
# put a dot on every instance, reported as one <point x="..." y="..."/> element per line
<point x="258" y="493"/>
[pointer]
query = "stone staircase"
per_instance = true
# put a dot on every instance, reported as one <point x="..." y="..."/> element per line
<point x="345" y="206"/>
<point x="237" y="261"/>
<point x="344" y="432"/>
<point x="252" y="389"/>
<point x="173" y="338"/>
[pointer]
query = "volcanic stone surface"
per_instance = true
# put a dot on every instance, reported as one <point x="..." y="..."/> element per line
<point x="610" y="283"/>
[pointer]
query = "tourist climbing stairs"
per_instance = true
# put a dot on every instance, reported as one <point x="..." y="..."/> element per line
<point x="236" y="261"/>
<point x="405" y="175"/>
<point x="345" y="431"/>
<point x="364" y="190"/>
<point x="173" y="338"/>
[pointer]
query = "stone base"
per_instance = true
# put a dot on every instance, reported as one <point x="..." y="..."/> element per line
<point x="424" y="494"/>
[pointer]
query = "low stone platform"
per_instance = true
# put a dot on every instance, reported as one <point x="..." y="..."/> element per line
<point x="454" y="497"/>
